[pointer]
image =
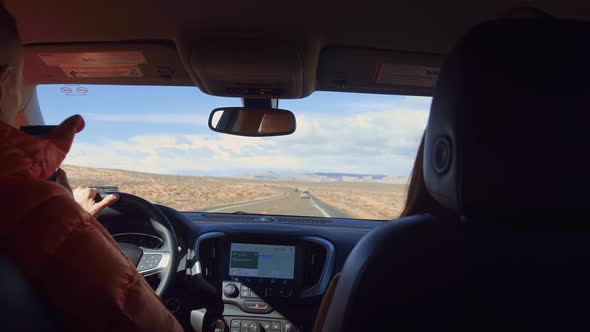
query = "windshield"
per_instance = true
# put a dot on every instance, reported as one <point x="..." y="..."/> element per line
<point x="350" y="156"/>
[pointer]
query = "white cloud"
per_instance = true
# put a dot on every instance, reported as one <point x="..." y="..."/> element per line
<point x="404" y="102"/>
<point x="415" y="101"/>
<point x="156" y="118"/>
<point x="381" y="140"/>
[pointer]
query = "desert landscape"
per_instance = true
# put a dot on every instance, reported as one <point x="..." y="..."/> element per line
<point x="364" y="200"/>
<point x="183" y="193"/>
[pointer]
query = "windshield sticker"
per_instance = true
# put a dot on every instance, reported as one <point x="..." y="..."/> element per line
<point x="102" y="71"/>
<point x="70" y="91"/>
<point x="82" y="90"/>
<point x="66" y="90"/>
<point x="388" y="73"/>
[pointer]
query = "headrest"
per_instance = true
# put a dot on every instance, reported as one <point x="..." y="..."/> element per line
<point x="509" y="124"/>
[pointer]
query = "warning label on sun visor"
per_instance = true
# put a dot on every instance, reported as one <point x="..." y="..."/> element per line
<point x="97" y="64"/>
<point x="102" y="71"/>
<point x="422" y="76"/>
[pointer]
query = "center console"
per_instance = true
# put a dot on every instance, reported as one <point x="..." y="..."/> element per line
<point x="265" y="282"/>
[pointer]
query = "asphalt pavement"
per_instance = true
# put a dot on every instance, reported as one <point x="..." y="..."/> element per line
<point x="288" y="203"/>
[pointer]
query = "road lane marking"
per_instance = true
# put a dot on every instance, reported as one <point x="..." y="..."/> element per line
<point x="322" y="211"/>
<point x="285" y="194"/>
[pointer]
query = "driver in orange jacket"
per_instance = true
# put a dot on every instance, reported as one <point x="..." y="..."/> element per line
<point x="61" y="249"/>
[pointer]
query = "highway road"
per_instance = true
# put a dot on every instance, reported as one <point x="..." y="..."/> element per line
<point x="288" y="203"/>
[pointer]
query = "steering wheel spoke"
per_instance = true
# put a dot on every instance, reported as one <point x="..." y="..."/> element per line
<point x="162" y="261"/>
<point x="153" y="261"/>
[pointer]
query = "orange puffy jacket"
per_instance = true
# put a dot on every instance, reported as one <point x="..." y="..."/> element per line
<point x="65" y="253"/>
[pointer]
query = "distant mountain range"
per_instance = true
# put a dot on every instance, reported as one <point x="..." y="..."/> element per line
<point x="342" y="176"/>
<point x="327" y="177"/>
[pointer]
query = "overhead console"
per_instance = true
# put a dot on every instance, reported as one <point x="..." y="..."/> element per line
<point x="374" y="71"/>
<point x="252" y="69"/>
<point x="261" y="278"/>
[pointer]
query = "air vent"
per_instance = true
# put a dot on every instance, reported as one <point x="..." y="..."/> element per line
<point x="315" y="258"/>
<point x="305" y="220"/>
<point x="207" y="255"/>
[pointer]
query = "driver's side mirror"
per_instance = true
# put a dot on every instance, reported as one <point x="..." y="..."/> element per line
<point x="252" y="122"/>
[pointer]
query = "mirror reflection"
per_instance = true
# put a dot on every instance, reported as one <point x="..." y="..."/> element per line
<point x="252" y="122"/>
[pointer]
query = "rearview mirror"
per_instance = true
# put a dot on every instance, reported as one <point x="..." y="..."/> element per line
<point x="252" y="122"/>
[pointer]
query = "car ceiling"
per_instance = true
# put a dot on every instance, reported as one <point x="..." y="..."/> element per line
<point x="419" y="27"/>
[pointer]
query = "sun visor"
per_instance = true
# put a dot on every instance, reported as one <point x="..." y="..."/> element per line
<point x="105" y="63"/>
<point x="360" y="70"/>
<point x="248" y="69"/>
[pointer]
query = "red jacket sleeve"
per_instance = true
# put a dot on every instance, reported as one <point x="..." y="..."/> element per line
<point x="76" y="265"/>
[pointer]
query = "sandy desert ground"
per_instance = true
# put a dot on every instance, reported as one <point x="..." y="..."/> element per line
<point x="192" y="193"/>
<point x="363" y="200"/>
<point x="183" y="193"/>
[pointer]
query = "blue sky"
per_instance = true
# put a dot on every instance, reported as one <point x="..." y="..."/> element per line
<point x="164" y="130"/>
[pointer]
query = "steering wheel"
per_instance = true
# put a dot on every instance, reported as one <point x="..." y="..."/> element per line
<point x="162" y="261"/>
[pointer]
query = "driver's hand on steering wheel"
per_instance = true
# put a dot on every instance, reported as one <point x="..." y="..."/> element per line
<point x="87" y="198"/>
<point x="90" y="200"/>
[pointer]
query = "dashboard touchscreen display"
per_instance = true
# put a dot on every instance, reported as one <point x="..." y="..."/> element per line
<point x="262" y="261"/>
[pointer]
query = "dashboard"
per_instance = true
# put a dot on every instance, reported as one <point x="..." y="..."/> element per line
<point x="255" y="273"/>
<point x="264" y="279"/>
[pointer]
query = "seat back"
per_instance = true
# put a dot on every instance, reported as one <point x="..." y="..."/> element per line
<point x="425" y="274"/>
<point x="506" y="150"/>
<point x="21" y="308"/>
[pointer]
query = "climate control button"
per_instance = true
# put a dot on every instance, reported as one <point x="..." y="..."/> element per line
<point x="255" y="327"/>
<point x="231" y="290"/>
